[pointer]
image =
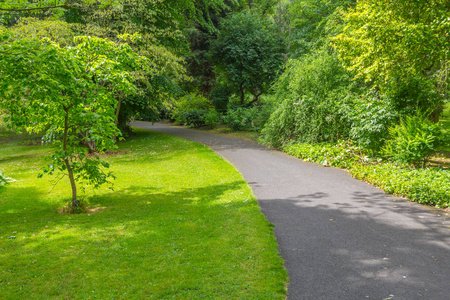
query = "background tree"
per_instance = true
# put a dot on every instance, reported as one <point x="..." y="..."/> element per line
<point x="249" y="53"/>
<point x="402" y="49"/>
<point x="312" y="22"/>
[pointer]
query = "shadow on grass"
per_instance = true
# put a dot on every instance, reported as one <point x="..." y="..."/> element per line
<point x="153" y="147"/>
<point x="215" y="141"/>
<point x="186" y="243"/>
<point x="15" y="158"/>
<point x="30" y="196"/>
<point x="144" y="195"/>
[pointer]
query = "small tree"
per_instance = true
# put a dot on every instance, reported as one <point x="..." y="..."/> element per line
<point x="249" y="53"/>
<point x="67" y="93"/>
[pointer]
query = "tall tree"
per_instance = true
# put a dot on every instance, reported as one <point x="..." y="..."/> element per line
<point x="313" y="22"/>
<point x="249" y="53"/>
<point x="402" y="48"/>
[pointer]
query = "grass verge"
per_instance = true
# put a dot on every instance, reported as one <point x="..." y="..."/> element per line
<point x="180" y="224"/>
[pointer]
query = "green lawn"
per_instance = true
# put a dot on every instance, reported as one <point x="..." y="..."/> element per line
<point x="181" y="223"/>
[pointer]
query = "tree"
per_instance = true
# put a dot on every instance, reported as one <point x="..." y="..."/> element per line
<point x="402" y="48"/>
<point x="313" y="22"/>
<point x="249" y="53"/>
<point x="162" y="24"/>
<point x="67" y="93"/>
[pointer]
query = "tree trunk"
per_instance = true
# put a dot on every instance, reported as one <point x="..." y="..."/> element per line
<point x="119" y="103"/>
<point x="116" y="122"/>
<point x="255" y="99"/>
<point x="75" y="202"/>
<point x="242" y="95"/>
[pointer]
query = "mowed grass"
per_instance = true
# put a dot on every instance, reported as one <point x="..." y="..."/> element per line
<point x="181" y="223"/>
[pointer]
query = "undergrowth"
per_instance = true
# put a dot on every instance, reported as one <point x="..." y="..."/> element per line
<point x="426" y="185"/>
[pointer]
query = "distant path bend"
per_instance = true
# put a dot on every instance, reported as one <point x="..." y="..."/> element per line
<point x="340" y="237"/>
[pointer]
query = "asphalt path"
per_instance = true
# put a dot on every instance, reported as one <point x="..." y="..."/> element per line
<point x="341" y="238"/>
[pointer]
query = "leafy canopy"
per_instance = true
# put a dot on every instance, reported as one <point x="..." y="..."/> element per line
<point x="67" y="93"/>
<point x="400" y="47"/>
<point x="249" y="53"/>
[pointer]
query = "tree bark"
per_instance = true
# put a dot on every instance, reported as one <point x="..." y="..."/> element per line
<point x="119" y="103"/>
<point x="75" y="202"/>
<point x="116" y="122"/>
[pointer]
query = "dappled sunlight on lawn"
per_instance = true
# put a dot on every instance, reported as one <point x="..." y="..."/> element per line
<point x="180" y="222"/>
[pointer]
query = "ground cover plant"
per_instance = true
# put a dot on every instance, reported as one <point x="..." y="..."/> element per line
<point x="181" y="223"/>
<point x="424" y="185"/>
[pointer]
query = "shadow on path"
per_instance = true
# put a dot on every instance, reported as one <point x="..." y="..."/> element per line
<point x="341" y="238"/>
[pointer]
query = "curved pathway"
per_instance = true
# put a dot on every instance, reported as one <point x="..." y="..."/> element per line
<point x="341" y="238"/>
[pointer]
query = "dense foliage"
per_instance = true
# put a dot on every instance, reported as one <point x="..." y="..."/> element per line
<point x="401" y="48"/>
<point x="311" y="93"/>
<point x="413" y="141"/>
<point x="248" y="53"/>
<point x="195" y="111"/>
<point x="428" y="186"/>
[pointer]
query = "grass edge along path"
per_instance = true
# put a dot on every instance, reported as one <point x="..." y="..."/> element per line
<point x="181" y="223"/>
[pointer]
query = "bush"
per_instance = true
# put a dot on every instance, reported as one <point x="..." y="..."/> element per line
<point x="311" y="92"/>
<point x="370" y="116"/>
<point x="195" y="111"/>
<point x="342" y="155"/>
<point x="4" y="180"/>
<point x="412" y="141"/>
<point x="307" y="120"/>
<point x="428" y="186"/>
<point x="248" y="118"/>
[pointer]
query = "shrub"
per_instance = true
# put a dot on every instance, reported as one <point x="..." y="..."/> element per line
<point x="310" y="92"/>
<point x="248" y="118"/>
<point x="341" y="155"/>
<point x="412" y="141"/>
<point x="306" y="120"/>
<point x="241" y="118"/>
<point x="369" y="116"/>
<point x="429" y="186"/>
<point x="212" y="118"/>
<point x="4" y="180"/>
<point x="195" y="111"/>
